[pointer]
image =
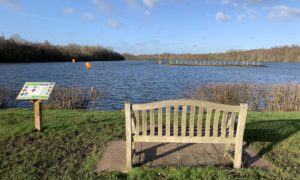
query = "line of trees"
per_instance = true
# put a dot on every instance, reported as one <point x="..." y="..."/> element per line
<point x="16" y="49"/>
<point x="279" y="54"/>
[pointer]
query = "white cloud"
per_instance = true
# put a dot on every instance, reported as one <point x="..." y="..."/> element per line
<point x="283" y="12"/>
<point x="246" y="2"/>
<point x="14" y="4"/>
<point x="68" y="10"/>
<point x="249" y="14"/>
<point x="241" y="17"/>
<point x="150" y="3"/>
<point x="253" y="2"/>
<point x="226" y="1"/>
<point x="221" y="16"/>
<point x="132" y="3"/>
<point x="147" y="13"/>
<point x="102" y="5"/>
<point x="88" y="16"/>
<point x="114" y="23"/>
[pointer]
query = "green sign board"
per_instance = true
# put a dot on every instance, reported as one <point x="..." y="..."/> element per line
<point x="36" y="91"/>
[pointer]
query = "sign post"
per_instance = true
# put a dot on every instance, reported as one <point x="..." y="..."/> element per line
<point x="36" y="91"/>
<point x="37" y="114"/>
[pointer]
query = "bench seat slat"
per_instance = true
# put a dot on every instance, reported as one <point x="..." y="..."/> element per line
<point x="207" y="122"/>
<point x="168" y="117"/>
<point x="231" y="124"/>
<point x="211" y="130"/>
<point x="144" y="123"/>
<point x="216" y="122"/>
<point x="137" y="122"/>
<point x="152" y="122"/>
<point x="223" y="124"/>
<point x="185" y="102"/>
<point x="181" y="139"/>
<point x="183" y="121"/>
<point x="199" y="123"/>
<point x="176" y="120"/>
<point x="192" y="117"/>
<point x="160" y="122"/>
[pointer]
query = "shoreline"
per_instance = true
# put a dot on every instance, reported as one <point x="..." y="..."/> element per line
<point x="226" y="65"/>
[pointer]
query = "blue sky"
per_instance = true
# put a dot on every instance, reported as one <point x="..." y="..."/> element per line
<point x="155" y="26"/>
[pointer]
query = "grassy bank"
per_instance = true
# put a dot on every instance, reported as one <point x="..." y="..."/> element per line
<point x="73" y="140"/>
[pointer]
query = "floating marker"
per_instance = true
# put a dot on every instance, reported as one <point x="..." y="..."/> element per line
<point x="88" y="65"/>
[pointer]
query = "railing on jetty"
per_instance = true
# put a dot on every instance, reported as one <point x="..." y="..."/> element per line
<point x="214" y="63"/>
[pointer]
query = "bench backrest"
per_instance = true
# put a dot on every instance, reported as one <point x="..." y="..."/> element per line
<point x="175" y="120"/>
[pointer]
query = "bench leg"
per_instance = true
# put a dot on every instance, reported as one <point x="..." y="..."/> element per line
<point x="128" y="125"/>
<point x="133" y="148"/>
<point x="128" y="154"/>
<point x="238" y="155"/>
<point x="227" y="149"/>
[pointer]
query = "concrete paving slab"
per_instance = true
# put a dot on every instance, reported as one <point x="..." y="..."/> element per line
<point x="204" y="160"/>
<point x="160" y="154"/>
<point x="113" y="157"/>
<point x="198" y="149"/>
<point x="252" y="159"/>
<point x="173" y="154"/>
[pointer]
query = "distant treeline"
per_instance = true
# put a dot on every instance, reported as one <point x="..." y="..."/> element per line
<point x="281" y="53"/>
<point x="15" y="49"/>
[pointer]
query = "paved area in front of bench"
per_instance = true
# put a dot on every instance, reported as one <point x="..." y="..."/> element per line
<point x="173" y="154"/>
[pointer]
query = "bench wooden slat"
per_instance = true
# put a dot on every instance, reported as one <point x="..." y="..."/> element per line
<point x="181" y="139"/>
<point x="207" y="122"/>
<point x="223" y="124"/>
<point x="137" y="123"/>
<point x="199" y="123"/>
<point x="231" y="124"/>
<point x="168" y="109"/>
<point x="144" y="123"/>
<point x="192" y="123"/>
<point x="216" y="122"/>
<point x="186" y="102"/>
<point x="183" y="121"/>
<point x="160" y="122"/>
<point x="176" y="108"/>
<point x="152" y="122"/>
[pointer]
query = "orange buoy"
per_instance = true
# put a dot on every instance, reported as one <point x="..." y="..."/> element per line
<point x="73" y="60"/>
<point x="88" y="65"/>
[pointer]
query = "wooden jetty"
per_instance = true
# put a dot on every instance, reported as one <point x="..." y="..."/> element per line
<point x="215" y="63"/>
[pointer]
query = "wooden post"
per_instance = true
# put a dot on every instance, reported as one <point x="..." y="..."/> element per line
<point x="38" y="114"/>
<point x="128" y="126"/>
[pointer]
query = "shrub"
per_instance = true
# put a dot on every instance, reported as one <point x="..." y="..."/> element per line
<point x="7" y="99"/>
<point x="259" y="97"/>
<point x="73" y="98"/>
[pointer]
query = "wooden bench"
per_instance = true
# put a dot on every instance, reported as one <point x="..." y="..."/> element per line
<point x="185" y="121"/>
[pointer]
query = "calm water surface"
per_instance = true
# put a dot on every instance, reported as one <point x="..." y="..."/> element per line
<point x="142" y="81"/>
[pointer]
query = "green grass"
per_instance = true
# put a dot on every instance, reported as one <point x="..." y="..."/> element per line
<point x="72" y="141"/>
<point x="68" y="147"/>
<point x="276" y="136"/>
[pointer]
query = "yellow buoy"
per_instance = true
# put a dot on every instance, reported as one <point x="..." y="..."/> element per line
<point x="73" y="60"/>
<point x="88" y="65"/>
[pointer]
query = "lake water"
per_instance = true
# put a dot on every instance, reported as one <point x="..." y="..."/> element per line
<point x="141" y="81"/>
